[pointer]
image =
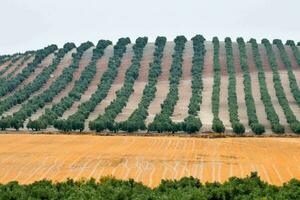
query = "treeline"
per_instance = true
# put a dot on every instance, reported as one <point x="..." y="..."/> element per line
<point x="290" y="116"/>
<point x="187" y="188"/>
<point x="86" y="76"/>
<point x="17" y="120"/>
<point x="255" y="126"/>
<point x="217" y="125"/>
<point x="106" y="121"/>
<point x="237" y="127"/>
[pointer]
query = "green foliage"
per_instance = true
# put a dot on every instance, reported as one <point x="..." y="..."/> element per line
<point x="265" y="96"/>
<point x="217" y="125"/>
<point x="187" y="188"/>
<point x="232" y="98"/>
<point x="295" y="50"/>
<point x="250" y="104"/>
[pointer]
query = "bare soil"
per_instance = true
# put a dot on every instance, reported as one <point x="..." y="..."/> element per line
<point x="27" y="158"/>
<point x="205" y="113"/>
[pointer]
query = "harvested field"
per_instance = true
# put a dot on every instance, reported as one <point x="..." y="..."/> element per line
<point x="27" y="158"/>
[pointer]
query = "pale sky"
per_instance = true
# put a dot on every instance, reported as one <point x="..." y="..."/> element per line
<point x="34" y="24"/>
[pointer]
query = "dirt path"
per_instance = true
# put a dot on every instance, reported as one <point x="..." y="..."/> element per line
<point x="118" y="83"/>
<point x="102" y="64"/>
<point x="242" y="108"/>
<point x="224" y="114"/>
<point x="185" y="86"/>
<point x="139" y="84"/>
<point x="205" y="113"/>
<point x="86" y="58"/>
<point x="27" y="158"/>
<point x="162" y="86"/>
<point x="260" y="109"/>
<point x="270" y="86"/>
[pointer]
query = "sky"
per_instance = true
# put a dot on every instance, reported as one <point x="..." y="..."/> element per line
<point x="34" y="24"/>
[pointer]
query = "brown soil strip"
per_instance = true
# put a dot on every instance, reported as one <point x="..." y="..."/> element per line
<point x="102" y="64"/>
<point x="295" y="66"/>
<point x="185" y="85"/>
<point x="139" y="85"/>
<point x="205" y="113"/>
<point x="148" y="159"/>
<point x="242" y="108"/>
<point x="14" y="66"/>
<point x="162" y="86"/>
<point x="224" y="114"/>
<point x="24" y="65"/>
<point x="118" y="83"/>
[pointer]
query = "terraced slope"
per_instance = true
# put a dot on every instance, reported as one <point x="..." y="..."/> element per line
<point x="264" y="77"/>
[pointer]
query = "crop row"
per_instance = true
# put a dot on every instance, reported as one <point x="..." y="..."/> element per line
<point x="162" y="121"/>
<point x="217" y="125"/>
<point x="106" y="121"/>
<point x="78" y="118"/>
<point x="290" y="117"/>
<point x="287" y="63"/>
<point x="80" y="86"/>
<point x="40" y="55"/>
<point x="192" y="123"/>
<point x="136" y="120"/>
<point x="16" y="121"/>
<point x="237" y="127"/>
<point x="255" y="126"/>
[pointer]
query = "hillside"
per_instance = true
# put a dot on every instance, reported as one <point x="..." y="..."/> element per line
<point x="175" y="86"/>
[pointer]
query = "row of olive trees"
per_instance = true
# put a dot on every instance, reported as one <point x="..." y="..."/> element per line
<point x="292" y="78"/>
<point x="237" y="127"/>
<point x="78" y="118"/>
<point x="253" y="122"/>
<point x="136" y="120"/>
<point x="290" y="117"/>
<point x="79" y="87"/>
<point x="17" y="120"/>
<point x="217" y="125"/>
<point x="295" y="50"/>
<point x="106" y="121"/>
